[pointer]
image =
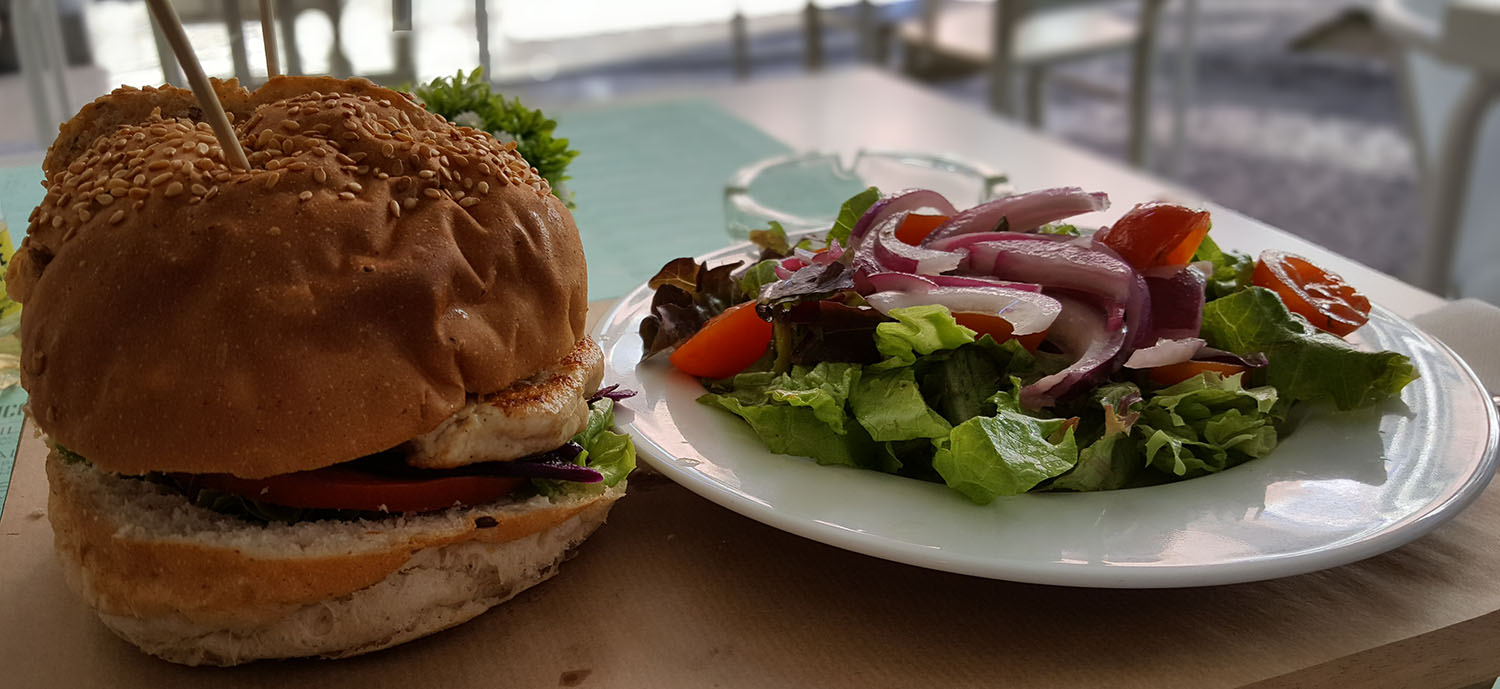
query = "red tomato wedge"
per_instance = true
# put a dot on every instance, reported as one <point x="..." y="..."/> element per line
<point x="997" y="327"/>
<point x="1322" y="297"/>
<point x="726" y="345"/>
<point x="916" y="227"/>
<point x="1157" y="234"/>
<point x="1172" y="374"/>
<point x="342" y="488"/>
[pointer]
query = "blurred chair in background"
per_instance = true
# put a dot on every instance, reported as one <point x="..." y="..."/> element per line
<point x="1449" y="69"/>
<point x="1026" y="37"/>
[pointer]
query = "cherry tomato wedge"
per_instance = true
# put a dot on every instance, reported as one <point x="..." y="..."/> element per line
<point x="726" y="345"/>
<point x="1172" y="374"/>
<point x="917" y="226"/>
<point x="997" y="327"/>
<point x="1322" y="297"/>
<point x="342" y="488"/>
<point x="1157" y="234"/>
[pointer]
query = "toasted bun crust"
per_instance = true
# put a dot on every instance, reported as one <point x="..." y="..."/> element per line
<point x="197" y="587"/>
<point x="377" y="266"/>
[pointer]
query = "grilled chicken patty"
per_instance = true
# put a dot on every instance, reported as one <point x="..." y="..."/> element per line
<point x="534" y="415"/>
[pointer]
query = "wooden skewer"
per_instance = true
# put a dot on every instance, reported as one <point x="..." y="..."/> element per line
<point x="268" y="33"/>
<point x="171" y="26"/>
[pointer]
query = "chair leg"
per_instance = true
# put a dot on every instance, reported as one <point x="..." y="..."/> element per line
<point x="482" y="31"/>
<point x="812" y="37"/>
<point x="1036" y="94"/>
<point x="1002" y="96"/>
<point x="1450" y="180"/>
<point x="1140" y="84"/>
<point x="235" y="22"/>
<point x="739" y="46"/>
<point x="286" y="16"/>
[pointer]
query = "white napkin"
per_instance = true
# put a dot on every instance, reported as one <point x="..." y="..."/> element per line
<point x="1472" y="328"/>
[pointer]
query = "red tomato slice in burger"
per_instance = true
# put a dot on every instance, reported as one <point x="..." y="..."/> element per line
<point x="341" y="488"/>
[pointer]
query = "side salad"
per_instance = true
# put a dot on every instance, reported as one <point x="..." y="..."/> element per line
<point x="999" y="351"/>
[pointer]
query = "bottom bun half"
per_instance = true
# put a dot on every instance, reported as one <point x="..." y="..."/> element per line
<point x="201" y="588"/>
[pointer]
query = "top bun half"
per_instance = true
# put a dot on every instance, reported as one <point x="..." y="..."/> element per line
<point x="375" y="266"/>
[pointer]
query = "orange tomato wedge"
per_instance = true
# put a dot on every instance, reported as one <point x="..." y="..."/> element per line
<point x="1172" y="374"/>
<point x="997" y="327"/>
<point x="1322" y="297"/>
<point x="917" y="226"/>
<point x="1157" y="234"/>
<point x="726" y="345"/>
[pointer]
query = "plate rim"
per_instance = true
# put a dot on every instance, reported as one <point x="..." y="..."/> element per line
<point x="1086" y="575"/>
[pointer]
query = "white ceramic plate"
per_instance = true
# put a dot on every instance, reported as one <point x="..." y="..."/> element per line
<point x="1340" y="488"/>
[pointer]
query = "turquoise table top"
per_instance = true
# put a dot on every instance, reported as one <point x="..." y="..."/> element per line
<point x="649" y="185"/>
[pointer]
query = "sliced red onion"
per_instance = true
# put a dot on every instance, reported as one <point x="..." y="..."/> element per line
<point x="1176" y="303"/>
<point x="1069" y="266"/>
<point x="613" y="392"/>
<point x="1028" y="312"/>
<point x="911" y="282"/>
<point x="881" y="251"/>
<point x="1094" y="335"/>
<point x="1165" y="353"/>
<point x="907" y="201"/>
<point x="1206" y="268"/>
<point x="965" y="241"/>
<point x="1022" y="212"/>
<point x="786" y="266"/>
<point x="1251" y="360"/>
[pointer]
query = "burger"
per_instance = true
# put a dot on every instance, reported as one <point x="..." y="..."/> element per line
<point x="318" y="407"/>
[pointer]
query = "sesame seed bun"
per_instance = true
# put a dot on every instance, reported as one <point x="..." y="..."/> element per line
<point x="376" y="267"/>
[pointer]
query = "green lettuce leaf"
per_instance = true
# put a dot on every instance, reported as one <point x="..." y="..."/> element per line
<point x="756" y="277"/>
<point x="960" y="383"/>
<point x="1115" y="460"/>
<point x="850" y="213"/>
<point x="1206" y="424"/>
<point x="1305" y="363"/>
<point x="1006" y="454"/>
<point x="802" y="412"/>
<point x="918" y="330"/>
<point x="605" y="451"/>
<point x="890" y="407"/>
<point x="1232" y="269"/>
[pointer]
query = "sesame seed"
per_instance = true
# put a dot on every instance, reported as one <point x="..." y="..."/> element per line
<point x="320" y="175"/>
<point x="202" y="149"/>
<point x="382" y="175"/>
<point x="272" y="180"/>
<point x="104" y="199"/>
<point x="457" y="195"/>
<point x="297" y="166"/>
<point x="346" y="195"/>
<point x="117" y="217"/>
<point x="409" y="203"/>
<point x="139" y="193"/>
<point x="484" y="187"/>
<point x="388" y="150"/>
<point x="173" y="189"/>
<point x="211" y="193"/>
<point x="304" y="196"/>
<point x="198" y="189"/>
<point x="138" y="180"/>
<point x="426" y="174"/>
<point x="57" y="221"/>
<point x="290" y="125"/>
<point x="432" y="193"/>
<point x="223" y="176"/>
<point x="85" y="216"/>
<point x="362" y="170"/>
<point x="203" y="164"/>
<point x="469" y="201"/>
<point x="354" y="187"/>
<point x="273" y="164"/>
<point x="395" y="208"/>
<point x="357" y="157"/>
<point x="118" y="192"/>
